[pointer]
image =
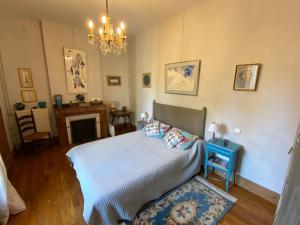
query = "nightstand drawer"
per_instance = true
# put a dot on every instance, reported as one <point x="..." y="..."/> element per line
<point x="217" y="150"/>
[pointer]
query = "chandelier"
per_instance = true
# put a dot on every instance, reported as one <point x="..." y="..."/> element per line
<point x="107" y="40"/>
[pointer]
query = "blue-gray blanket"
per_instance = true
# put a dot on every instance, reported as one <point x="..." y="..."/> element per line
<point x="119" y="175"/>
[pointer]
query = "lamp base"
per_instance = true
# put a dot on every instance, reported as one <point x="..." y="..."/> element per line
<point x="213" y="137"/>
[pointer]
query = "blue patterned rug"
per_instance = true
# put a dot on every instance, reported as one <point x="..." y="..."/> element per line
<point x="196" y="202"/>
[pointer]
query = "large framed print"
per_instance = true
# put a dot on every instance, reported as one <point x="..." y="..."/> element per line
<point x="76" y="72"/>
<point x="182" y="77"/>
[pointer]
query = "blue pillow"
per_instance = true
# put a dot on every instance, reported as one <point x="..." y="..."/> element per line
<point x="187" y="141"/>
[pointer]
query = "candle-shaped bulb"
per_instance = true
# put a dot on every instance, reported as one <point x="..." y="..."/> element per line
<point x="119" y="31"/>
<point x="122" y="25"/>
<point x="104" y="19"/>
<point x="100" y="31"/>
<point x="91" y="24"/>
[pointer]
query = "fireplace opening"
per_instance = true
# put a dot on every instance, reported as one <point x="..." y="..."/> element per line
<point x="83" y="130"/>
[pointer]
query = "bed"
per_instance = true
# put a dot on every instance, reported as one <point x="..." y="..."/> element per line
<point x="119" y="175"/>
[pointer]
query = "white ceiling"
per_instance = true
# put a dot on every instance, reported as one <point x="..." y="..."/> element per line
<point x="138" y="14"/>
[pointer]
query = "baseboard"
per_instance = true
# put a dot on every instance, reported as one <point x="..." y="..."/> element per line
<point x="255" y="188"/>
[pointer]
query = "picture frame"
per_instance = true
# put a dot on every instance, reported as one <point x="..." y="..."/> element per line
<point x="146" y="80"/>
<point x="76" y="70"/>
<point x="113" y="80"/>
<point x="246" y="77"/>
<point x="25" y="77"/>
<point x="182" y="77"/>
<point x="28" y="96"/>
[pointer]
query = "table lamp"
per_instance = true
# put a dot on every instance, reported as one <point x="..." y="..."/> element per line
<point x="144" y="116"/>
<point x="213" y="128"/>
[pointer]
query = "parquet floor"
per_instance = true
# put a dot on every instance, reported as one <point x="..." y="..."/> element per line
<point x="52" y="194"/>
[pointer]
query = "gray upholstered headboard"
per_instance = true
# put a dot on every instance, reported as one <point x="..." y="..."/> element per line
<point x="190" y="120"/>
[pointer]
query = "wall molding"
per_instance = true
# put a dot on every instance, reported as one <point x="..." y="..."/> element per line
<point x="255" y="188"/>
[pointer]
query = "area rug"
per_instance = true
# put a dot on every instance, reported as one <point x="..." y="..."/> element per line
<point x="196" y="202"/>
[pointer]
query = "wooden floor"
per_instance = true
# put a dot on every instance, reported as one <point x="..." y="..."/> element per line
<point x="52" y="194"/>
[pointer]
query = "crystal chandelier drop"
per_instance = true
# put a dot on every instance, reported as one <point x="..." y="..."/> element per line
<point x="107" y="40"/>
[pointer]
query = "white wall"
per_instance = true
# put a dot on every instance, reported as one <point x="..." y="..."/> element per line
<point x="57" y="36"/>
<point x="223" y="34"/>
<point x="21" y="46"/>
<point x="115" y="65"/>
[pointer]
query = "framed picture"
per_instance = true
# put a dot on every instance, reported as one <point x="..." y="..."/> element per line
<point x="113" y="80"/>
<point x="246" y="77"/>
<point x="75" y="68"/>
<point x="25" y="77"/>
<point x="28" y="96"/>
<point x="146" y="80"/>
<point x="182" y="77"/>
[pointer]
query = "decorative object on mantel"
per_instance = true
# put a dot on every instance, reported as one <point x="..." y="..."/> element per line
<point x="19" y="106"/>
<point x="96" y="101"/>
<point x="58" y="100"/>
<point x="80" y="98"/>
<point x="108" y="40"/>
<point x="213" y="128"/>
<point x="75" y="68"/>
<point x="246" y="77"/>
<point x="146" y="80"/>
<point x="25" y="77"/>
<point x="113" y="80"/>
<point x="182" y="77"/>
<point x="28" y="96"/>
<point x="144" y="116"/>
<point x="42" y="105"/>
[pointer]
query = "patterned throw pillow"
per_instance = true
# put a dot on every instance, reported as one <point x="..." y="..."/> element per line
<point x="187" y="141"/>
<point x="152" y="129"/>
<point x="164" y="128"/>
<point x="172" y="138"/>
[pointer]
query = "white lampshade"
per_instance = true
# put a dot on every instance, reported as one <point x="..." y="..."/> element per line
<point x="213" y="127"/>
<point x="144" y="115"/>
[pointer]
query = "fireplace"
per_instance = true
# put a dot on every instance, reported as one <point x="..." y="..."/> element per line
<point x="83" y="128"/>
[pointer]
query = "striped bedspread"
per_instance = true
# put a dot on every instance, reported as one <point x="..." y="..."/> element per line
<point x="119" y="175"/>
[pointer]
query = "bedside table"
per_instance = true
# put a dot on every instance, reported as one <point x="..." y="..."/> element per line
<point x="227" y="152"/>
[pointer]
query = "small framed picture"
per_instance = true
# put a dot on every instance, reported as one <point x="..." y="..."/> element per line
<point x="28" y="96"/>
<point x="25" y="77"/>
<point x="246" y="77"/>
<point x="146" y="80"/>
<point x="113" y="80"/>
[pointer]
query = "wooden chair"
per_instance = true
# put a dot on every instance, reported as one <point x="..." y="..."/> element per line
<point x="28" y="133"/>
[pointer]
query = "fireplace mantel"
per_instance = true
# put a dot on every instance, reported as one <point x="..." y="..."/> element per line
<point x="74" y="110"/>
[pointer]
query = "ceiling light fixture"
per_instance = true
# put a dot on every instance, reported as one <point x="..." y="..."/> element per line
<point x="107" y="40"/>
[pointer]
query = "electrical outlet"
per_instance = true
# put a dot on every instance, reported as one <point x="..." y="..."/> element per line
<point x="237" y="130"/>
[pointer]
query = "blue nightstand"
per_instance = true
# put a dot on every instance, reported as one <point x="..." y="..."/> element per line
<point x="227" y="151"/>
